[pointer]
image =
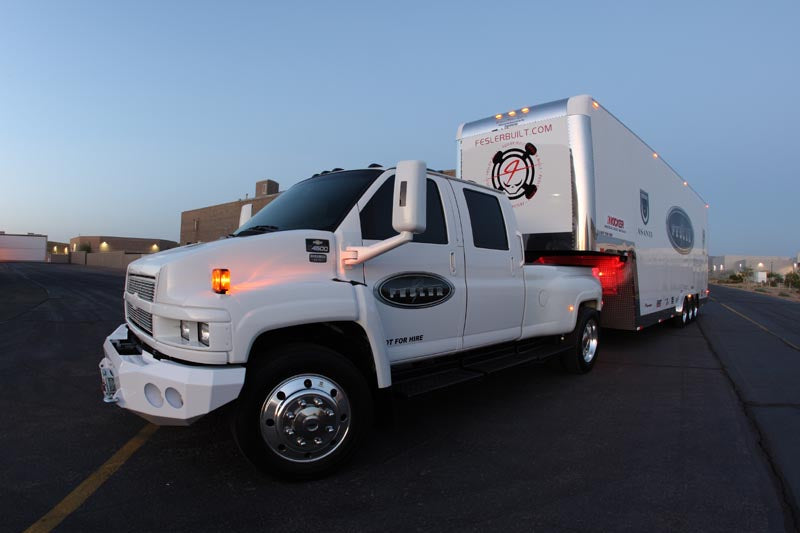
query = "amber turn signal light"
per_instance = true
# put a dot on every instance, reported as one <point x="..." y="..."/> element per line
<point x="221" y="280"/>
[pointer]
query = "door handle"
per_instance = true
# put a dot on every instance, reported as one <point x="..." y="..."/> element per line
<point x="452" y="262"/>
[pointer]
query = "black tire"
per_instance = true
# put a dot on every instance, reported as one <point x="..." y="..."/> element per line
<point x="581" y="358"/>
<point x="309" y="389"/>
<point x="682" y="318"/>
<point x="696" y="306"/>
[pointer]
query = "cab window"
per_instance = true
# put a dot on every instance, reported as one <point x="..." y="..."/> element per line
<point x="376" y="217"/>
<point x="486" y="217"/>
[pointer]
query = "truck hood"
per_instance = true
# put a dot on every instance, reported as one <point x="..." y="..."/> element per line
<point x="184" y="274"/>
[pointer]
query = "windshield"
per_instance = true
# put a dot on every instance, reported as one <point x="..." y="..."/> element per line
<point x="319" y="203"/>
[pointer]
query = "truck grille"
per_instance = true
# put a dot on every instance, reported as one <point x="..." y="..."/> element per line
<point x="141" y="318"/>
<point x="144" y="286"/>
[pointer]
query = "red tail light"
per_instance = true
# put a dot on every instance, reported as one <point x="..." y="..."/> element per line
<point x="608" y="269"/>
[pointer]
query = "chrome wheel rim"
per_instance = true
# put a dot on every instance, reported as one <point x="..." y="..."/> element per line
<point x="305" y="418"/>
<point x="684" y="314"/>
<point x="589" y="341"/>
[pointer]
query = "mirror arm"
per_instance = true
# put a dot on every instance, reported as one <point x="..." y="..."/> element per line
<point x="355" y="255"/>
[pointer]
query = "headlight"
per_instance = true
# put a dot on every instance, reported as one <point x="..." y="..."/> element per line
<point x="185" y="330"/>
<point x="203" y="334"/>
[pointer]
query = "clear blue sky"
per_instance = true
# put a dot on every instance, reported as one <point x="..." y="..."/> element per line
<point x="117" y="116"/>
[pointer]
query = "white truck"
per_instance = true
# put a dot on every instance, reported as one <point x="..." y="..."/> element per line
<point x="347" y="285"/>
<point x="579" y="180"/>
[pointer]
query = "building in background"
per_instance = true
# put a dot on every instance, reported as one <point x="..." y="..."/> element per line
<point x="215" y="221"/>
<point x="128" y="245"/>
<point x="722" y="266"/>
<point x="28" y="247"/>
<point x="57" y="248"/>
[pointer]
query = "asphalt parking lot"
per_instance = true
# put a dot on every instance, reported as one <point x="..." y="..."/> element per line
<point x="693" y="429"/>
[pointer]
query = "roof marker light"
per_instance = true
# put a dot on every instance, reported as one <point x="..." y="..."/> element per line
<point x="655" y="155"/>
<point x="595" y="105"/>
<point x="498" y="116"/>
<point x="685" y="183"/>
<point x="512" y="113"/>
<point x="525" y="110"/>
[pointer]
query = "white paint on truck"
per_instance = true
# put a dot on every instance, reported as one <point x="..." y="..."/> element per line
<point x="349" y="282"/>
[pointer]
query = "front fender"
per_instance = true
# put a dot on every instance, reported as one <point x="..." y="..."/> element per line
<point x="289" y="304"/>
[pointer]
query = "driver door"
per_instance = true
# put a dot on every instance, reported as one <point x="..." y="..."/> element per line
<point x="420" y="287"/>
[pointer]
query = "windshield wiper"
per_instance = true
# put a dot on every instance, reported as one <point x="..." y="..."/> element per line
<point x="256" y="230"/>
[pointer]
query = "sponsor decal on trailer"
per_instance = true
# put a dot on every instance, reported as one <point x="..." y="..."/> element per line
<point x="615" y="224"/>
<point x="644" y="211"/>
<point x="680" y="230"/>
<point x="644" y="206"/>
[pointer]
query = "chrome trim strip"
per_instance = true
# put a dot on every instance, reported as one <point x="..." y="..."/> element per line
<point x="583" y="204"/>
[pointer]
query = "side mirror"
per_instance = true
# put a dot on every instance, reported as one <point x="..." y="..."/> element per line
<point x="245" y="214"/>
<point x="409" y="202"/>
<point x="408" y="213"/>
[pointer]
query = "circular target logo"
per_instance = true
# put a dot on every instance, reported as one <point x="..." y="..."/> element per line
<point x="513" y="172"/>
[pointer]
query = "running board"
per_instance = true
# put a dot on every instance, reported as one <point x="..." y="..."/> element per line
<point x="422" y="377"/>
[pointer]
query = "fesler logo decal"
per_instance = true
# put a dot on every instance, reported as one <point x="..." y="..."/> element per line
<point x="680" y="230"/>
<point x="414" y="290"/>
<point x="514" y="172"/>
<point x="644" y="206"/>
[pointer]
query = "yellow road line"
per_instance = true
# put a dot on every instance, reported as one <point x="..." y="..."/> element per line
<point x="88" y="487"/>
<point x="732" y="310"/>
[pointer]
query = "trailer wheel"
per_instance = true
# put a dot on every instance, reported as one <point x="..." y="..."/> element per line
<point x="302" y="411"/>
<point x="586" y="337"/>
<point x="695" y="306"/>
<point x="683" y="318"/>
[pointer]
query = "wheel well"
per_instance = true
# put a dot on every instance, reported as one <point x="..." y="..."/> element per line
<point x="346" y="338"/>
<point x="589" y="303"/>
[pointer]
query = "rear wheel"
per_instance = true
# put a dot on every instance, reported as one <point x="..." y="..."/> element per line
<point x="302" y="412"/>
<point x="586" y="337"/>
<point x="683" y="318"/>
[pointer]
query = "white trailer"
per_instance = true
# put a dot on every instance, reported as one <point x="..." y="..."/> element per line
<point x="580" y="181"/>
<point x="30" y="247"/>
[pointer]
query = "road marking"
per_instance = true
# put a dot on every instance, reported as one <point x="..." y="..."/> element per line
<point x="88" y="487"/>
<point x="787" y="342"/>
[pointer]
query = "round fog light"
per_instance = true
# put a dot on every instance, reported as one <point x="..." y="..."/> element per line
<point x="153" y="395"/>
<point x="173" y="398"/>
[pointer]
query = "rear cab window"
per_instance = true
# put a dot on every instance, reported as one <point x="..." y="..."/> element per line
<point x="486" y="219"/>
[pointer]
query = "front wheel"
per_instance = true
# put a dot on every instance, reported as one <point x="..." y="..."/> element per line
<point x="302" y="412"/>
<point x="581" y="357"/>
